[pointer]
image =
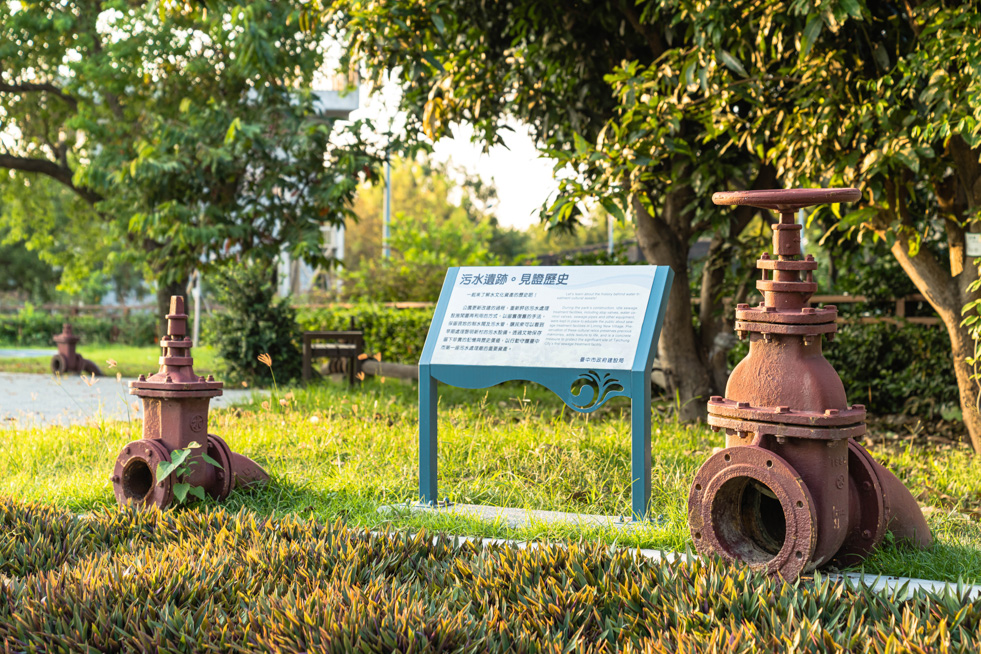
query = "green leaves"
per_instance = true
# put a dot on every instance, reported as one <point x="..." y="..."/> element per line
<point x="180" y="468"/>
<point x="810" y="35"/>
<point x="732" y="63"/>
<point x="232" y="129"/>
<point x="165" y="125"/>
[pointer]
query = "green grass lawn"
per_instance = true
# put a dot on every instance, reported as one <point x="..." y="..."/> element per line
<point x="131" y="360"/>
<point x="340" y="454"/>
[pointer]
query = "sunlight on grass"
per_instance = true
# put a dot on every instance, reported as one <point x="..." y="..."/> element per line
<point x="338" y="453"/>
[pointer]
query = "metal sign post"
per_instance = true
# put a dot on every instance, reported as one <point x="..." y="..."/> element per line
<point x="587" y="333"/>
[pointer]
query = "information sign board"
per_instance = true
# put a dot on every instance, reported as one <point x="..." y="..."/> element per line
<point x="588" y="333"/>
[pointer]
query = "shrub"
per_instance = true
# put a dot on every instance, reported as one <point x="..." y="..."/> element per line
<point x="397" y="334"/>
<point x="894" y="369"/>
<point x="253" y="322"/>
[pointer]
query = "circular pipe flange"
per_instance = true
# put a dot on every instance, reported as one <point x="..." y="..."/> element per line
<point x="749" y="505"/>
<point x="134" y="477"/>
<point x="803" y="316"/>
<point x="224" y="479"/>
<point x="869" y="526"/>
<point x="59" y="364"/>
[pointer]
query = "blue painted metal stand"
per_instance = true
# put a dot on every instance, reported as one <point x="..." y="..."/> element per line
<point x="583" y="390"/>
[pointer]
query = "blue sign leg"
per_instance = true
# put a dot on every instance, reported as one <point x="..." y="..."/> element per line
<point x="427" y="436"/>
<point x="640" y="444"/>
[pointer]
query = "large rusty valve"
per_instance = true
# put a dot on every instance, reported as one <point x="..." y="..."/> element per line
<point x="793" y="490"/>
<point x="67" y="359"/>
<point x="175" y="415"/>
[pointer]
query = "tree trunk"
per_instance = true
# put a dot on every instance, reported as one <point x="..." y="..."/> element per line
<point x="947" y="294"/>
<point x="164" y="292"/>
<point x="695" y="361"/>
<point x="688" y="376"/>
<point x="962" y="347"/>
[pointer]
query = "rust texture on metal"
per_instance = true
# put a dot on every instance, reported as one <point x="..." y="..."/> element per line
<point x="175" y="417"/>
<point x="68" y="359"/>
<point x="793" y="490"/>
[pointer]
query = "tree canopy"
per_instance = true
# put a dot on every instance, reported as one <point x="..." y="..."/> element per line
<point x="191" y="130"/>
<point x="651" y="106"/>
<point x="555" y="67"/>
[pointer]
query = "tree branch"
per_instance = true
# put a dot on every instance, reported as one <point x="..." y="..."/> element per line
<point x="925" y="271"/>
<point x="44" y="87"/>
<point x="653" y="39"/>
<point x="61" y="174"/>
<point x="710" y="309"/>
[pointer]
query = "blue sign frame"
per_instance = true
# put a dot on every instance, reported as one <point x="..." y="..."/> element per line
<point x="582" y="389"/>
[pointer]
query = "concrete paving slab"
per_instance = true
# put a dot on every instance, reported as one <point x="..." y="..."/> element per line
<point x="517" y="518"/>
<point x="34" y="399"/>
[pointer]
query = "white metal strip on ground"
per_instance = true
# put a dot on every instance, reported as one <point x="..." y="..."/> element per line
<point x="877" y="583"/>
<point x="517" y="518"/>
<point x="525" y="518"/>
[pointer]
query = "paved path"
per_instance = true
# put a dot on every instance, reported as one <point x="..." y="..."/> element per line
<point x="32" y="399"/>
<point x="23" y="353"/>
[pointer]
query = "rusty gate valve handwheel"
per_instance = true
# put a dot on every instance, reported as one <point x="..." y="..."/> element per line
<point x="175" y="416"/>
<point x="793" y="490"/>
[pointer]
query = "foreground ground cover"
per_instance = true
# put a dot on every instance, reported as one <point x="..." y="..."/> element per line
<point x="340" y="454"/>
<point x="211" y="581"/>
<point x="131" y="360"/>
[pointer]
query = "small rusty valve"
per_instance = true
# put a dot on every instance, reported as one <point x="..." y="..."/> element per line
<point x="67" y="359"/>
<point x="793" y="490"/>
<point x="175" y="415"/>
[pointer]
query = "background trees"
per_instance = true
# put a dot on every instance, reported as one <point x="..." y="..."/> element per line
<point x="650" y="106"/>
<point x="548" y="64"/>
<point x="191" y="131"/>
<point x="889" y="100"/>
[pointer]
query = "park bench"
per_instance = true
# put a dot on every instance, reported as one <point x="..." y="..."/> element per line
<point x="336" y="345"/>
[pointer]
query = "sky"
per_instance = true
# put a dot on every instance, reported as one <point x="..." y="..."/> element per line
<point x="523" y="179"/>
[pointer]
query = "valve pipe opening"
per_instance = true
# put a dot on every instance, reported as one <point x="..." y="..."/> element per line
<point x="137" y="480"/>
<point x="749" y="521"/>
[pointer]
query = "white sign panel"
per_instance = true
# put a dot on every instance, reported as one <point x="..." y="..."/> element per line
<point x="973" y="244"/>
<point x="545" y="316"/>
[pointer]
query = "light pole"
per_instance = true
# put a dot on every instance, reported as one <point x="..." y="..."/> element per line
<point x="387" y="221"/>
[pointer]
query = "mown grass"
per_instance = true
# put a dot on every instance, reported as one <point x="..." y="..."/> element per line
<point x="131" y="360"/>
<point x="335" y="453"/>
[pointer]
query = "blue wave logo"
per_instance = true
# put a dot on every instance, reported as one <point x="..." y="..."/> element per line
<point x="591" y="390"/>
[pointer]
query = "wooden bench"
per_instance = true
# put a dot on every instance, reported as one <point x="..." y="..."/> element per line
<point x="342" y="345"/>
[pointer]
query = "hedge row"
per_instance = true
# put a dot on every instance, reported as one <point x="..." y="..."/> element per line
<point x="208" y="581"/>
<point x="397" y="334"/>
<point x="896" y="369"/>
<point x="890" y="369"/>
<point x="35" y="329"/>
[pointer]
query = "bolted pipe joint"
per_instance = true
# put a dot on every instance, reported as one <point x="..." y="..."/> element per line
<point x="68" y="360"/>
<point x="793" y="490"/>
<point x="175" y="417"/>
<point x="749" y="504"/>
